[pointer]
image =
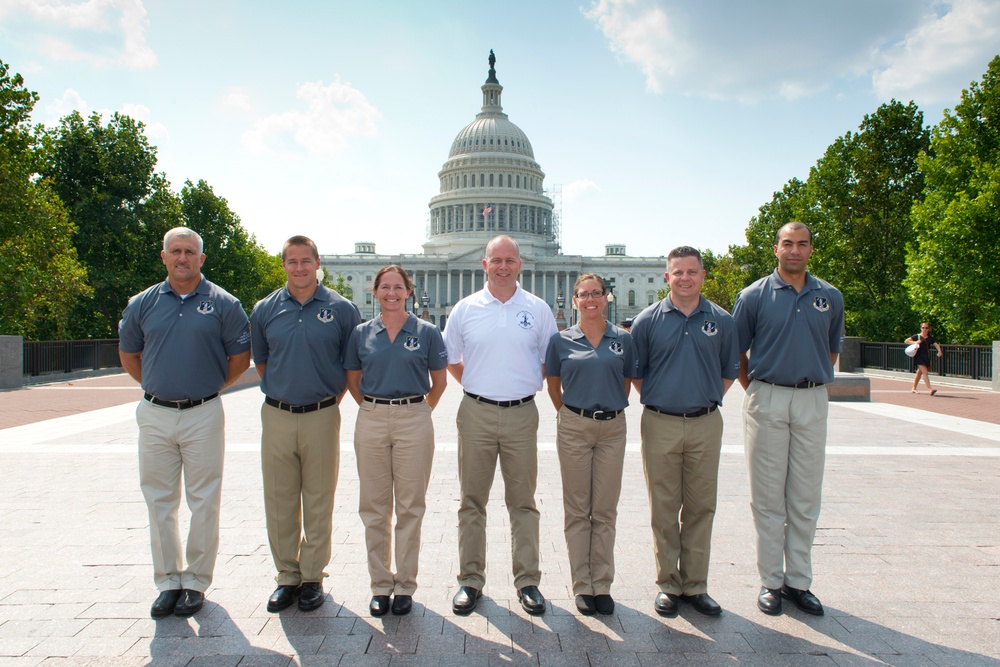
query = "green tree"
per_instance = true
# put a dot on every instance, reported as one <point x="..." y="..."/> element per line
<point x="954" y="257"/>
<point x="121" y="208"/>
<point x="42" y="277"/>
<point x="756" y="258"/>
<point x="862" y="191"/>
<point x="234" y="259"/>
<point x="339" y="286"/>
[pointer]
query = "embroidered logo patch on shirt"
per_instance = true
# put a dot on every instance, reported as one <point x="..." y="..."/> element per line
<point x="412" y="343"/>
<point x="206" y="307"/>
<point x="821" y="304"/>
<point x="325" y="315"/>
<point x="709" y="328"/>
<point x="525" y="320"/>
<point x="616" y="347"/>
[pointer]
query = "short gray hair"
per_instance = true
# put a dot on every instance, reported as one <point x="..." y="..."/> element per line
<point x="184" y="232"/>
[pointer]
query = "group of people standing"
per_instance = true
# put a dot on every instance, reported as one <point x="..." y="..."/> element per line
<point x="310" y="348"/>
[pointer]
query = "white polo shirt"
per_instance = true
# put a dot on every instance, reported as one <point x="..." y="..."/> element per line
<point x="502" y="345"/>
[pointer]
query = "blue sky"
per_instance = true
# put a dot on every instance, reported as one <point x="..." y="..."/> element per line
<point x="663" y="122"/>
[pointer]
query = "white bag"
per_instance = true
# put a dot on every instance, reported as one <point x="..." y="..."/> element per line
<point x="911" y="350"/>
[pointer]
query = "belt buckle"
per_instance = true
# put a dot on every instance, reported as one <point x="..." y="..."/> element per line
<point x="597" y="415"/>
<point x="397" y="401"/>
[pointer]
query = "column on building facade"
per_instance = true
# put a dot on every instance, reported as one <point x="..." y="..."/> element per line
<point x="447" y="298"/>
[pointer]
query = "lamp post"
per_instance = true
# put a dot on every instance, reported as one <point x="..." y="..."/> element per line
<point x="612" y="309"/>
<point x="424" y="301"/>
<point x="560" y="315"/>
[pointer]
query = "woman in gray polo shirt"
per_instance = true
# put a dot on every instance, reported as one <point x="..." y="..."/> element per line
<point x="588" y="368"/>
<point x="396" y="368"/>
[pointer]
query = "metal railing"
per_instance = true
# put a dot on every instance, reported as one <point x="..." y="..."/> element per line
<point x="974" y="362"/>
<point x="68" y="356"/>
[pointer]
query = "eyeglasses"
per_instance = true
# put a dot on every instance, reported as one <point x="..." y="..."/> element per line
<point x="597" y="294"/>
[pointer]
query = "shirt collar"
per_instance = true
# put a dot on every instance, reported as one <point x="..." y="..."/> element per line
<point x="777" y="283"/>
<point x="666" y="305"/>
<point x="576" y="333"/>
<point x="322" y="293"/>
<point x="202" y="287"/>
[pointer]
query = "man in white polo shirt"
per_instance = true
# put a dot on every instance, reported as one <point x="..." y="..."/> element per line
<point x="496" y="341"/>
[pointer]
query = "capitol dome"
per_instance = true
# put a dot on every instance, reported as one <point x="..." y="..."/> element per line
<point x="491" y="134"/>
<point x="491" y="185"/>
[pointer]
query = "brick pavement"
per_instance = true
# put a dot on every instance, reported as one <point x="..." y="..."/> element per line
<point x="907" y="557"/>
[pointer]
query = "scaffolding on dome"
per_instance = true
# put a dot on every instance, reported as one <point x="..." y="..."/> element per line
<point x="555" y="194"/>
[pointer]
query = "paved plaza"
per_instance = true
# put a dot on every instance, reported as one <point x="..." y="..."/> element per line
<point x="907" y="557"/>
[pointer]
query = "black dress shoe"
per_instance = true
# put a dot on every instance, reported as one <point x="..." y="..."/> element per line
<point x="189" y="603"/>
<point x="605" y="604"/>
<point x="665" y="604"/>
<point x="585" y="605"/>
<point x="165" y="602"/>
<point x="282" y="598"/>
<point x="401" y="605"/>
<point x="311" y="596"/>
<point x="703" y="603"/>
<point x="465" y="600"/>
<point x="804" y="600"/>
<point x="532" y="600"/>
<point x="379" y="606"/>
<point x="769" y="601"/>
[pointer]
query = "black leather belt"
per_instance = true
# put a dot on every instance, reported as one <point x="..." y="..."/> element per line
<point x="805" y="384"/>
<point x="685" y="415"/>
<point x="179" y="405"/>
<point x="502" y="404"/>
<point x="394" y="401"/>
<point x="599" y="415"/>
<point x="300" y="409"/>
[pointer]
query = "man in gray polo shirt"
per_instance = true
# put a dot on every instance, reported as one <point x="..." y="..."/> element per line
<point x="299" y="334"/>
<point x="183" y="340"/>
<point x="687" y="361"/>
<point x="792" y="323"/>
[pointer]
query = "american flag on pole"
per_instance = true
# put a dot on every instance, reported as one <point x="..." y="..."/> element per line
<point x="487" y="210"/>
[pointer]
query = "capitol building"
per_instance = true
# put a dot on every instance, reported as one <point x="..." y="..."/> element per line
<point x="490" y="185"/>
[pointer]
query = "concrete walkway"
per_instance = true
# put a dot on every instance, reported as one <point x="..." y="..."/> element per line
<point x="907" y="557"/>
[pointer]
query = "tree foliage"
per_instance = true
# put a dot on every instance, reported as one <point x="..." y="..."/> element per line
<point x="104" y="175"/>
<point x="861" y="193"/>
<point x="954" y="258"/>
<point x="42" y="278"/>
<point x="234" y="259"/>
<point x="339" y="285"/>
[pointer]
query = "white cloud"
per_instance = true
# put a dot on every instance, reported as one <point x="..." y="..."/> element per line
<point x="127" y="17"/>
<point x="333" y="113"/>
<point x="752" y="51"/>
<point x="574" y="191"/>
<point x="236" y="97"/>
<point x="155" y="130"/>
<point x="59" y="107"/>
<point x="924" y="65"/>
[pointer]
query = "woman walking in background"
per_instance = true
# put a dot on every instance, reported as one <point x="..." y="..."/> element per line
<point x="922" y="359"/>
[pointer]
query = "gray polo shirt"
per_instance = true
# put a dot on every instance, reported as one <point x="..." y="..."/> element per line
<point x="790" y="334"/>
<point x="302" y="344"/>
<point x="185" y="343"/>
<point x="592" y="378"/>
<point x="398" y="368"/>
<point x="683" y="359"/>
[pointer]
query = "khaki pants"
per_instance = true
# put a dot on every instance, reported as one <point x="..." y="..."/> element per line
<point x="486" y="433"/>
<point x="190" y="443"/>
<point x="591" y="458"/>
<point x="785" y="434"/>
<point x="395" y="451"/>
<point x="300" y="461"/>
<point x="680" y="458"/>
